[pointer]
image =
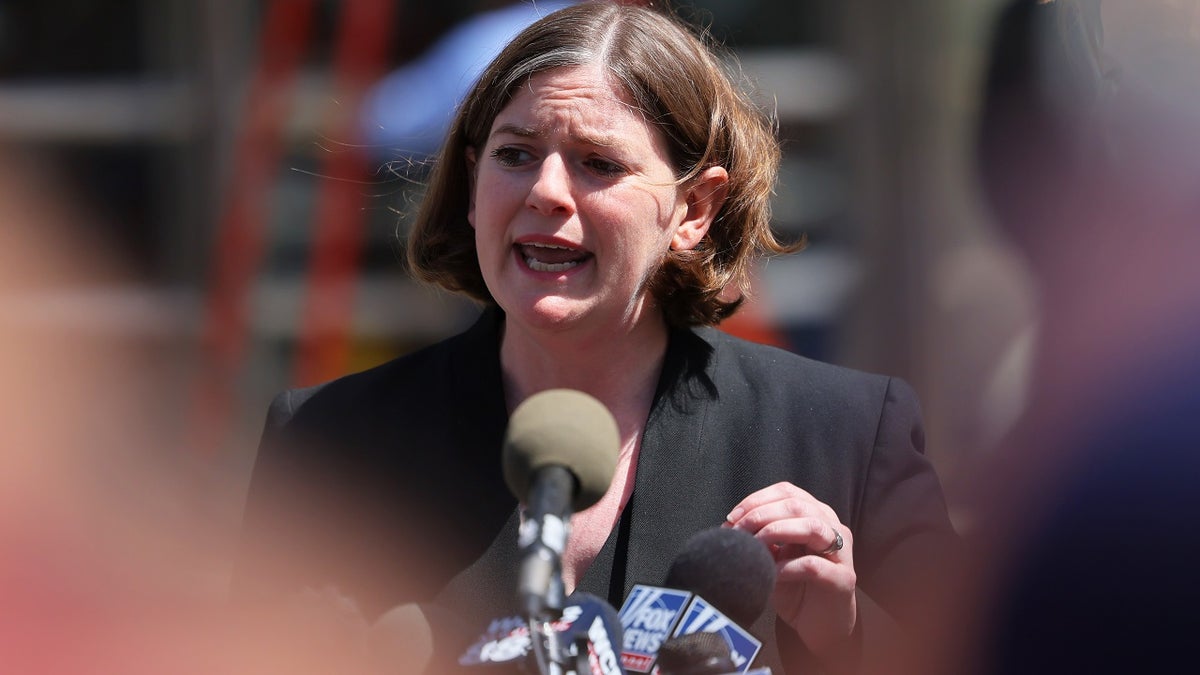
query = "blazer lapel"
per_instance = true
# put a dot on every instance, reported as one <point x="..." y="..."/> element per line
<point x="661" y="514"/>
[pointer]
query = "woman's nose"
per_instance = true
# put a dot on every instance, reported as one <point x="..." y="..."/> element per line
<point x="551" y="190"/>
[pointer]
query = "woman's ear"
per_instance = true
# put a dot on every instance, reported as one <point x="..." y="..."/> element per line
<point x="469" y="158"/>
<point x="704" y="198"/>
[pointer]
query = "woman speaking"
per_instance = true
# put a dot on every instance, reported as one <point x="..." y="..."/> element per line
<point x="603" y="192"/>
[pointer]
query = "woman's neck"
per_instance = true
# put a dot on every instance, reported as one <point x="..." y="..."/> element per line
<point x="620" y="368"/>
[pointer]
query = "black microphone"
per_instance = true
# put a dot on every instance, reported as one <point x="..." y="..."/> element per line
<point x="720" y="581"/>
<point x="730" y="568"/>
<point x="594" y="638"/>
<point x="560" y="452"/>
<point x="695" y="654"/>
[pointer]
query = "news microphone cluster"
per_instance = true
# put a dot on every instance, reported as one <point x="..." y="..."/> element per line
<point x="736" y="572"/>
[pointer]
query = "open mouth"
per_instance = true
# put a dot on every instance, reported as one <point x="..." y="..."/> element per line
<point x="550" y="257"/>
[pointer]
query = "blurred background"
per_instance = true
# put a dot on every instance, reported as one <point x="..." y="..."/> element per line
<point x="212" y="197"/>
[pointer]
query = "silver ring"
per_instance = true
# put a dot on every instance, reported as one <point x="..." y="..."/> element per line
<point x="837" y="544"/>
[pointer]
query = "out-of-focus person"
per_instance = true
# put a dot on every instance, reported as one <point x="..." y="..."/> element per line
<point x="1086" y="540"/>
<point x="114" y="544"/>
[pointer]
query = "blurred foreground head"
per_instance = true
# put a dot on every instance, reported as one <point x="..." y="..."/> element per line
<point x="115" y="540"/>
<point x="90" y="513"/>
<point x="1087" y="108"/>
<point x="1089" y="157"/>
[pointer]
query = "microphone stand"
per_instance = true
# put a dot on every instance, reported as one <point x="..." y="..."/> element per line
<point x="543" y="536"/>
<point x="547" y="651"/>
<point x="544" y="640"/>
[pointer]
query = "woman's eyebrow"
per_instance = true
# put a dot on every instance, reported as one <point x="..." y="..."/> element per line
<point x="598" y="140"/>
<point x="515" y="130"/>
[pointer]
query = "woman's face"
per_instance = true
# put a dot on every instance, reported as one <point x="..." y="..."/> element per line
<point x="574" y="204"/>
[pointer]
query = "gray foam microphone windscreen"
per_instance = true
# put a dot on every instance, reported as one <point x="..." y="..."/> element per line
<point x="562" y="427"/>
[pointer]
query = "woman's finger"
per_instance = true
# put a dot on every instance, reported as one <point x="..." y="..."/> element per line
<point x="777" y="501"/>
<point x="807" y="536"/>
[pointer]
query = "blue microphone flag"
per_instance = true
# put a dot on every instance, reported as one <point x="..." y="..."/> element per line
<point x="702" y="617"/>
<point x="648" y="616"/>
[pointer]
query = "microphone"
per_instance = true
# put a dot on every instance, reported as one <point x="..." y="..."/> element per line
<point x="730" y="568"/>
<point x="695" y="654"/>
<point x="720" y="579"/>
<point x="582" y="641"/>
<point x="594" y="637"/>
<point x="559" y="454"/>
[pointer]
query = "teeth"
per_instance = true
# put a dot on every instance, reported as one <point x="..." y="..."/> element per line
<point x="539" y="266"/>
<point x="561" y="248"/>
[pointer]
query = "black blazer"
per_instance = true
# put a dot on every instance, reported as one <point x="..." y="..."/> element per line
<point x="387" y="483"/>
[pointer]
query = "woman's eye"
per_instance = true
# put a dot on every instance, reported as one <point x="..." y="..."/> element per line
<point x="508" y="156"/>
<point x="604" y="167"/>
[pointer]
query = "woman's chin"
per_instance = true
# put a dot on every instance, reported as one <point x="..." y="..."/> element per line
<point x="551" y="313"/>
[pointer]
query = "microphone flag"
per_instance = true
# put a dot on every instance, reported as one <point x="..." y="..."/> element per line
<point x="651" y="615"/>
<point x="702" y="617"/>
<point x="648" y="617"/>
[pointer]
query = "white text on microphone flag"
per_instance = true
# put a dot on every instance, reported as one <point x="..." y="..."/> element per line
<point x="647" y="617"/>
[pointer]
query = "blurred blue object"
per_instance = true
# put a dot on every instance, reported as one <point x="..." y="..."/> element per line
<point x="406" y="113"/>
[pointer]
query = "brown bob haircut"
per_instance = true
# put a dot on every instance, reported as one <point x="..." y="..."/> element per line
<point x="683" y="89"/>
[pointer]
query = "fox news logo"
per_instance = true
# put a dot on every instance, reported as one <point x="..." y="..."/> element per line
<point x="647" y="618"/>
